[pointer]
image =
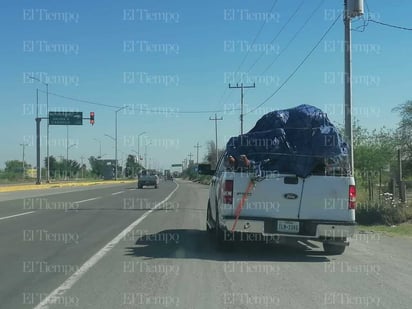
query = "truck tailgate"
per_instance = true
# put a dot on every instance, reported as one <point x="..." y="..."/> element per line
<point x="326" y="198"/>
<point x="272" y="197"/>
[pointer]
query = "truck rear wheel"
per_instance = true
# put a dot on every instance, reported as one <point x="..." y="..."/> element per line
<point x="209" y="229"/>
<point x="224" y="239"/>
<point x="218" y="231"/>
<point x="333" y="249"/>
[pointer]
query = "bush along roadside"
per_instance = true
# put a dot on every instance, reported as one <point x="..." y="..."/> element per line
<point x="202" y="179"/>
<point x="387" y="211"/>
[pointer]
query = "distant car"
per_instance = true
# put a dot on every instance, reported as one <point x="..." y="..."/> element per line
<point x="147" y="179"/>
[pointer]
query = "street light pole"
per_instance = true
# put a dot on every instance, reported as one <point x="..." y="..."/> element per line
<point x="38" y="119"/>
<point x="145" y="155"/>
<point x="67" y="158"/>
<point x="122" y="159"/>
<point x="138" y="146"/>
<point x="115" y="135"/>
<point x="24" y="167"/>
<point x="48" y="155"/>
<point x="112" y="138"/>
<point x="67" y="150"/>
<point x="100" y="147"/>
<point x="38" y="123"/>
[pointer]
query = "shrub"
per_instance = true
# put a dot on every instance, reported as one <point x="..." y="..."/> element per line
<point x="387" y="211"/>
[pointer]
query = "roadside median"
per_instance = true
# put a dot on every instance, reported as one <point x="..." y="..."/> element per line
<point x="27" y="187"/>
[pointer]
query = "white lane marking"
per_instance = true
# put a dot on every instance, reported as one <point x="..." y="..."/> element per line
<point x="90" y="199"/>
<point x="117" y="193"/>
<point x="21" y="214"/>
<point x="56" y="295"/>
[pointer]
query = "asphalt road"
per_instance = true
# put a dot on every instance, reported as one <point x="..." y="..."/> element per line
<point x="109" y="250"/>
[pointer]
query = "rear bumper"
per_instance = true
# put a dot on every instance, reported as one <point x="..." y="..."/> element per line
<point x="310" y="229"/>
<point x="146" y="183"/>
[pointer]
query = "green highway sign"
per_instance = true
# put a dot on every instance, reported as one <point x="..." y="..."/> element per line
<point x="66" y="118"/>
<point x="176" y="165"/>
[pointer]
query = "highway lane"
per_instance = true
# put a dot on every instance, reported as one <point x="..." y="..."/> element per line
<point x="168" y="261"/>
<point x="42" y="249"/>
<point x="13" y="195"/>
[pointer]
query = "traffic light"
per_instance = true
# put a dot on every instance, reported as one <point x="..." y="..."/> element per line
<point x="92" y="118"/>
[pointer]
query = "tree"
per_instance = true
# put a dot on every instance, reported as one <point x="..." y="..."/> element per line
<point x="210" y="156"/>
<point x="405" y="126"/>
<point x="53" y="166"/>
<point x="132" y="166"/>
<point x="97" y="166"/>
<point x="14" y="167"/>
<point x="404" y="136"/>
<point x="73" y="167"/>
<point x="373" y="151"/>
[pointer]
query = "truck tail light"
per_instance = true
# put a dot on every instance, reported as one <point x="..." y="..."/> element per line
<point x="352" y="197"/>
<point x="228" y="192"/>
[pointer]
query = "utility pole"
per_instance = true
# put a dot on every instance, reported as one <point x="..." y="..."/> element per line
<point x="81" y="158"/>
<point x="38" y="119"/>
<point x="138" y="146"/>
<point x="47" y="115"/>
<point x="348" y="84"/>
<point x="115" y="136"/>
<point x="67" y="152"/>
<point x="216" y="120"/>
<point x="145" y="155"/>
<point x="24" y="167"/>
<point x="190" y="155"/>
<point x="401" y="184"/>
<point x="100" y="147"/>
<point x="241" y="105"/>
<point x="353" y="10"/>
<point x="197" y="146"/>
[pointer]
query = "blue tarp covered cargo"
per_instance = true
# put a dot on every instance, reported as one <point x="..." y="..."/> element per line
<point x="300" y="141"/>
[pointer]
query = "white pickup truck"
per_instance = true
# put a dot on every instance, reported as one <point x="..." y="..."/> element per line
<point x="319" y="207"/>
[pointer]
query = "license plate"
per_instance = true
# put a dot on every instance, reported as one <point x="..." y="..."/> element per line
<point x="288" y="226"/>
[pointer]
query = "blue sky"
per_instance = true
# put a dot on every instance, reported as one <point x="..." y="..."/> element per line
<point x="169" y="61"/>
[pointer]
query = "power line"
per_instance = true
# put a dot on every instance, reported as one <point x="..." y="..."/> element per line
<point x="247" y="52"/>
<point x="277" y="35"/>
<point x="366" y="22"/>
<point x="241" y="102"/>
<point x="294" y="36"/>
<point x="272" y="41"/>
<point x="81" y="100"/>
<point x="298" y="67"/>
<point x="217" y="149"/>
<point x="197" y="146"/>
<point x="140" y="109"/>
<point x="254" y="40"/>
<point x="389" y="25"/>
